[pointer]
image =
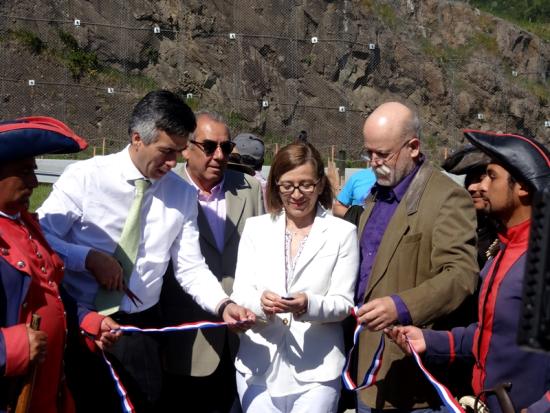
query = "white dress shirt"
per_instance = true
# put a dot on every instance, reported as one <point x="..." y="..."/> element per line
<point x="88" y="208"/>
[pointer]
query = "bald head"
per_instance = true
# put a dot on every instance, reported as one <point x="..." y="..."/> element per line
<point x="391" y="135"/>
<point x="392" y="122"/>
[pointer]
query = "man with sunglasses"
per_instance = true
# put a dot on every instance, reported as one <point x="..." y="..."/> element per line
<point x="418" y="256"/>
<point x="86" y="217"/>
<point x="204" y="361"/>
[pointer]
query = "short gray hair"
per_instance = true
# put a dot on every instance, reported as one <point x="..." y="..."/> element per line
<point x="213" y="116"/>
<point x="161" y="110"/>
<point x="412" y="126"/>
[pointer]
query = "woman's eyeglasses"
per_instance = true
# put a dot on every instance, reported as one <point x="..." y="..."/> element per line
<point x="287" y="188"/>
<point x="209" y="147"/>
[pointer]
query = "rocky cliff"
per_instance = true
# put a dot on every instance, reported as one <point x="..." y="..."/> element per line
<point x="275" y="67"/>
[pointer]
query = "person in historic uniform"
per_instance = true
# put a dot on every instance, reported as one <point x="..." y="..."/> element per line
<point x="31" y="273"/>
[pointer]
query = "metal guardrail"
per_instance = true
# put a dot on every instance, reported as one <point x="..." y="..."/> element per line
<point x="48" y="170"/>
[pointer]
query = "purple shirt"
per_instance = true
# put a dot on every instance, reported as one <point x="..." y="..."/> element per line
<point x="386" y="202"/>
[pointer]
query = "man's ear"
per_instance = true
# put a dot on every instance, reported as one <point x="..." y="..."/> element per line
<point x="414" y="144"/>
<point x="523" y="190"/>
<point x="185" y="152"/>
<point x="135" y="140"/>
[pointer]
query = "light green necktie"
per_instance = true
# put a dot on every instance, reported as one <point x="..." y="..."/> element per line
<point x="108" y="302"/>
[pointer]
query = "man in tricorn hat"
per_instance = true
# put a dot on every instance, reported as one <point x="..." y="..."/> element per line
<point x="31" y="272"/>
<point x="472" y="163"/>
<point x="518" y="168"/>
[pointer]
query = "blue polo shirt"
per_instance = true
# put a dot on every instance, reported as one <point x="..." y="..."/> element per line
<point x="357" y="188"/>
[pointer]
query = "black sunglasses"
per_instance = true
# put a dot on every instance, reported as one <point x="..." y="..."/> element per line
<point x="209" y="147"/>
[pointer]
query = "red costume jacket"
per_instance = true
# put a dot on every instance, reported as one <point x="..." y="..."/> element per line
<point x="30" y="275"/>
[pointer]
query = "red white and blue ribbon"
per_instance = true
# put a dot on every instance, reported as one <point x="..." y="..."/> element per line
<point x="370" y="376"/>
<point x="372" y="371"/>
<point x="127" y="406"/>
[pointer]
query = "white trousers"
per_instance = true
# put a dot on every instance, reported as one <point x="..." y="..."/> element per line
<point x="320" y="399"/>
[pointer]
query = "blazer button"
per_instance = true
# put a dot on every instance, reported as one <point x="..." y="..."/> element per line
<point x="285" y="321"/>
<point x="21" y="264"/>
<point x="5" y="251"/>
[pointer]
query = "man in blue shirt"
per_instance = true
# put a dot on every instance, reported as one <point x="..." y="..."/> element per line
<point x="354" y="191"/>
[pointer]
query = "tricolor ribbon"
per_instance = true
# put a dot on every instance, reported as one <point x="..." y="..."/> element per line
<point x="127" y="405"/>
<point x="370" y="376"/>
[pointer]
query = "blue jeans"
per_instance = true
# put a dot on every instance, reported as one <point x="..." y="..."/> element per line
<point x="362" y="408"/>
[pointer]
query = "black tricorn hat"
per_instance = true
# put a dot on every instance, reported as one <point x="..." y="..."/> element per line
<point x="465" y="160"/>
<point x="39" y="135"/>
<point x="525" y="158"/>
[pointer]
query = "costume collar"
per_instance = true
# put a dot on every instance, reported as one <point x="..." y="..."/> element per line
<point x="516" y="234"/>
<point x="12" y="217"/>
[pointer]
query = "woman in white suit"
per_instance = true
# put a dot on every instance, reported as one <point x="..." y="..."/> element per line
<point x="296" y="270"/>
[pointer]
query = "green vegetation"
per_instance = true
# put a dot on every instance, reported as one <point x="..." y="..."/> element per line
<point x="235" y="120"/>
<point x="193" y="103"/>
<point x="138" y="82"/>
<point x="39" y="194"/>
<point x="533" y="15"/>
<point x="28" y="39"/>
<point x="79" y="61"/>
<point x="447" y="54"/>
<point x="538" y="89"/>
<point x="385" y="12"/>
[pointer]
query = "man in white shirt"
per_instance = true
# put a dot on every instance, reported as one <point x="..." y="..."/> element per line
<point x="226" y="199"/>
<point x="83" y="219"/>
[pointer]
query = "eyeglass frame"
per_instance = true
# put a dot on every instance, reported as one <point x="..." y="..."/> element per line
<point x="218" y="145"/>
<point x="297" y="187"/>
<point x="385" y="158"/>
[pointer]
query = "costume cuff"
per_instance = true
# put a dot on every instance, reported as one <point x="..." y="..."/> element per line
<point x="17" y="349"/>
<point x="91" y="326"/>
<point x="440" y="346"/>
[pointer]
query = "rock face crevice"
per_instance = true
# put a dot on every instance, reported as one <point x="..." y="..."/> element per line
<point x="460" y="67"/>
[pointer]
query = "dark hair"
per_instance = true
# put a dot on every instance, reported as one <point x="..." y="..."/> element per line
<point x="161" y="110"/>
<point x="289" y="158"/>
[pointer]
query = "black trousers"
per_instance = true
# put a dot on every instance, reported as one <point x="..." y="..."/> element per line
<point x="216" y="393"/>
<point x="135" y="358"/>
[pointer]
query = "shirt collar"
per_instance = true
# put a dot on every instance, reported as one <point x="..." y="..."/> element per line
<point x="130" y="172"/>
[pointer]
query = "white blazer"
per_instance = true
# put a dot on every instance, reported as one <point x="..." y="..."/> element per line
<point x="326" y="271"/>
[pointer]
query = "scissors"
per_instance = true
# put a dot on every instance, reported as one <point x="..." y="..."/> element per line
<point x="133" y="298"/>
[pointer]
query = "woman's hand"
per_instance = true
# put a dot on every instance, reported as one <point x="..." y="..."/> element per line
<point x="269" y="301"/>
<point x="295" y="304"/>
<point x="274" y="304"/>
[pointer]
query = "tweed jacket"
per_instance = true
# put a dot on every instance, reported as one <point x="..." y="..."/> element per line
<point x="427" y="256"/>
<point x="198" y="353"/>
